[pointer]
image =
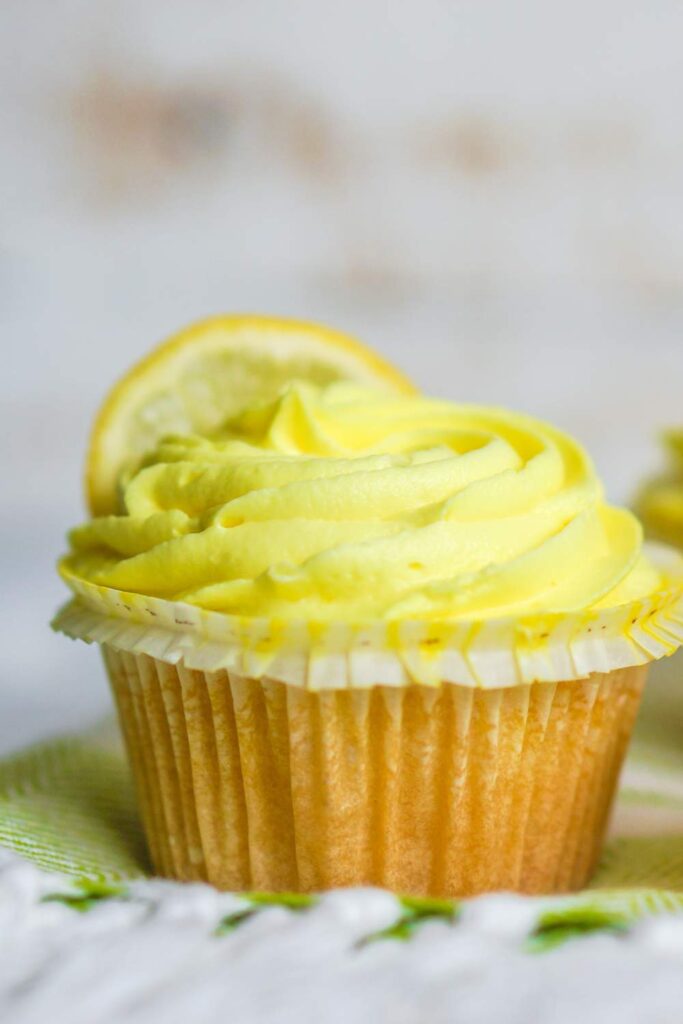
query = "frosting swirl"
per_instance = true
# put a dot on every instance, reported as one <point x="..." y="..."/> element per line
<point x="660" y="503"/>
<point x="345" y="504"/>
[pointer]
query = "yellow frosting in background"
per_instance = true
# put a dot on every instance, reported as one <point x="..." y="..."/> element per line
<point x="343" y="503"/>
<point x="660" y="503"/>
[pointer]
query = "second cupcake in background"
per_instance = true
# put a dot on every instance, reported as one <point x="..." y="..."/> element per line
<point x="660" y="502"/>
<point x="360" y="637"/>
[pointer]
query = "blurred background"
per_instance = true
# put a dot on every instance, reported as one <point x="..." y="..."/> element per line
<point x="489" y="193"/>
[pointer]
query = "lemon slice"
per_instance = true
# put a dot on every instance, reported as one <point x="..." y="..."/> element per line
<point x="196" y="379"/>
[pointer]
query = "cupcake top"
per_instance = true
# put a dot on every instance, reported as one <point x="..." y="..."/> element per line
<point x="660" y="503"/>
<point x="343" y="504"/>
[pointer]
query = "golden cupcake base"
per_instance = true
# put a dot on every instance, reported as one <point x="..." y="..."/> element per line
<point x="442" y="791"/>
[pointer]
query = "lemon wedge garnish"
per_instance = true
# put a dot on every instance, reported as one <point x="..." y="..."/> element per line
<point x="194" y="381"/>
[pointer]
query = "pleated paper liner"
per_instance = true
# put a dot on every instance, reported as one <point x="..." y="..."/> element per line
<point x="254" y="784"/>
<point x="430" y="758"/>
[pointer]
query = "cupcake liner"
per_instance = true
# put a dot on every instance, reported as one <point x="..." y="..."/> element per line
<point x="428" y="757"/>
<point x="489" y="654"/>
<point x="250" y="783"/>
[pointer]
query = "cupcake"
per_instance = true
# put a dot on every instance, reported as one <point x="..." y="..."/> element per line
<point x="360" y="636"/>
<point x="660" y="503"/>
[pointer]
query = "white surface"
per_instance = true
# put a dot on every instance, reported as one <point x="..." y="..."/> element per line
<point x="490" y="193"/>
<point x="155" y="959"/>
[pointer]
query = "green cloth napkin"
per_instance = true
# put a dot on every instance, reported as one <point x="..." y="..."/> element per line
<point x="68" y="805"/>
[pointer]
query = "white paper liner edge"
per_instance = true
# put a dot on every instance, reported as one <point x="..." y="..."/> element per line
<point x="488" y="654"/>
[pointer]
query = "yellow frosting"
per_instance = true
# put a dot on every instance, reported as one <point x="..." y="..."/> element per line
<point x="661" y="502"/>
<point x="342" y="503"/>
